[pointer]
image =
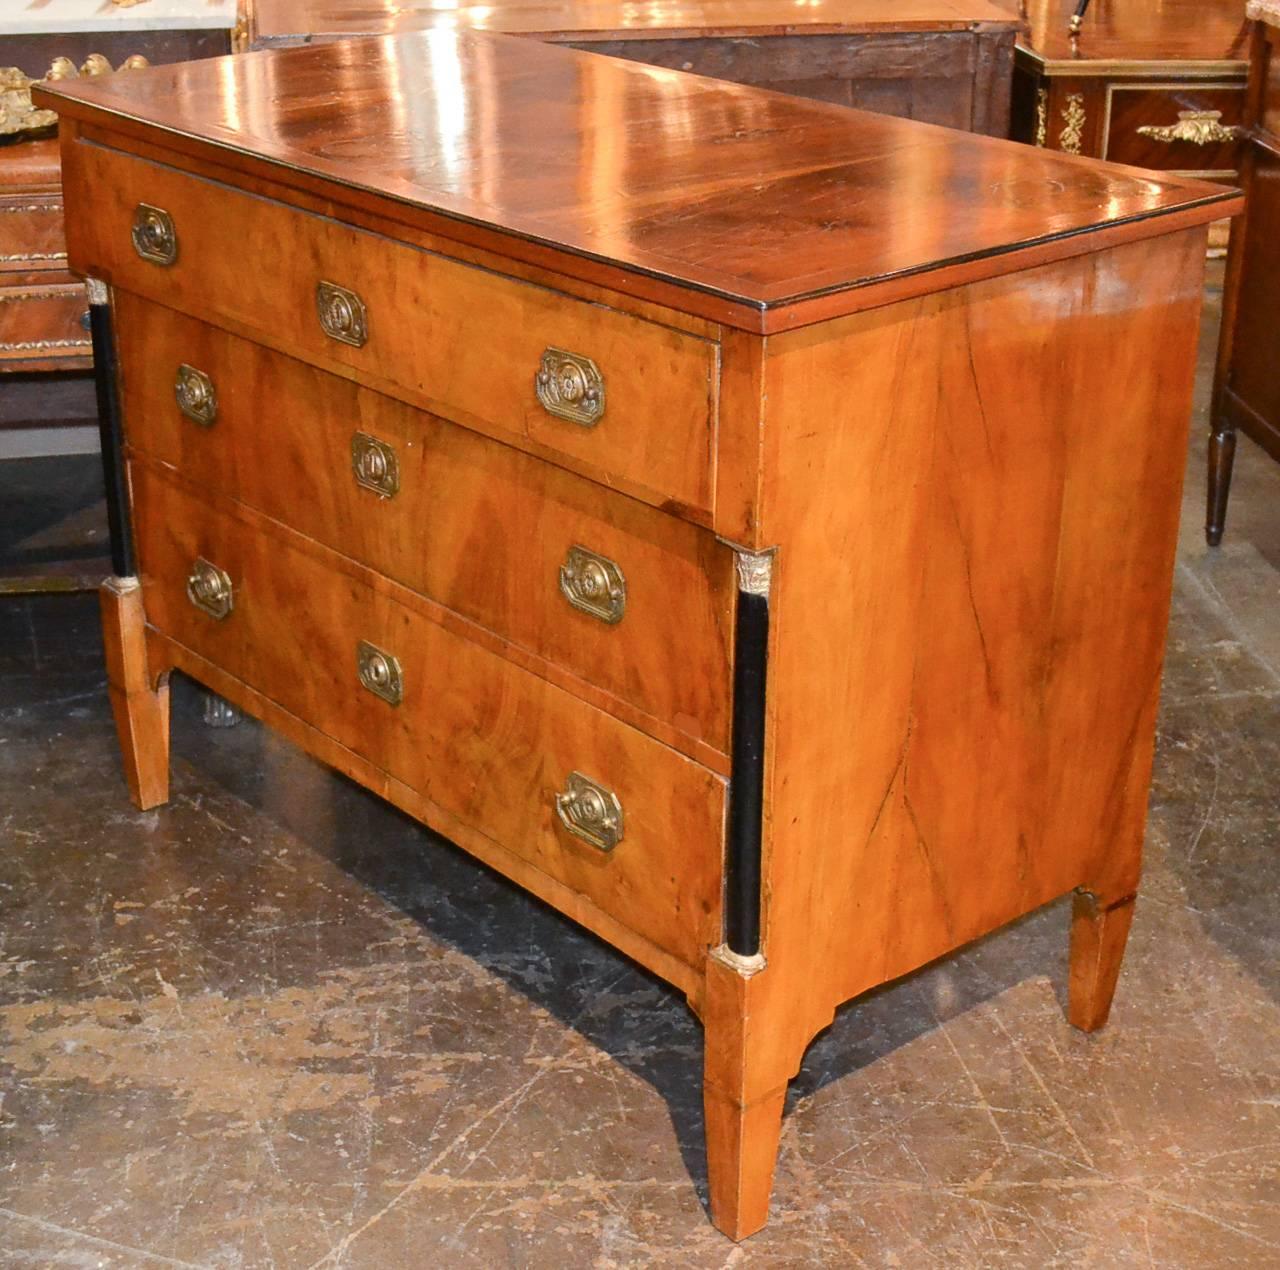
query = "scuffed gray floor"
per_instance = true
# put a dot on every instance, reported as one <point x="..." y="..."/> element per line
<point x="276" y="1024"/>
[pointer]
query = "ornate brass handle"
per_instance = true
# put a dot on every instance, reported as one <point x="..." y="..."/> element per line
<point x="590" y="812"/>
<point x="342" y="314"/>
<point x="154" y="237"/>
<point x="570" y="387"/>
<point x="375" y="465"/>
<point x="1195" y="127"/>
<point x="594" y="584"/>
<point x="380" y="672"/>
<point x="209" y="589"/>
<point x="196" y="396"/>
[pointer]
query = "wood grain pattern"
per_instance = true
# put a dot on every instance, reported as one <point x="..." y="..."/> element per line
<point x="457" y="340"/>
<point x="476" y="736"/>
<point x="476" y="525"/>
<point x="993" y="725"/>
<point x="1137" y="106"/>
<point x="686" y="206"/>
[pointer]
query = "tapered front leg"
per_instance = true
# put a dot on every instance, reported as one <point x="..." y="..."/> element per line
<point x="748" y="1064"/>
<point x="1098" y="936"/>
<point x="1222" y="455"/>
<point x="141" y="710"/>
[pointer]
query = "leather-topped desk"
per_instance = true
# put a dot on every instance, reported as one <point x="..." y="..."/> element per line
<point x="943" y="61"/>
<point x="746" y="523"/>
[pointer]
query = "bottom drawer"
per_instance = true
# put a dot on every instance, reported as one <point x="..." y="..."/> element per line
<point x="504" y="751"/>
<point x="43" y="324"/>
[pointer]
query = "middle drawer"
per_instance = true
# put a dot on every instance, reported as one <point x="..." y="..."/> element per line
<point x="632" y="600"/>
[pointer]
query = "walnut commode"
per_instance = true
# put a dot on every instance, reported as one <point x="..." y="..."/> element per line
<point x="746" y="523"/>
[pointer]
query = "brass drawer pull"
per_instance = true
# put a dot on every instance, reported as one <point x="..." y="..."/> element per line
<point x="570" y="387"/>
<point x="380" y="673"/>
<point x="594" y="584"/>
<point x="375" y="465"/>
<point x="154" y="237"/>
<point x="196" y="396"/>
<point x="590" y="812"/>
<point x="1195" y="127"/>
<point x="209" y="589"/>
<point x="343" y="316"/>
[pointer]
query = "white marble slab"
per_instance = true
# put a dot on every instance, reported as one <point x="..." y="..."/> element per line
<point x="39" y="17"/>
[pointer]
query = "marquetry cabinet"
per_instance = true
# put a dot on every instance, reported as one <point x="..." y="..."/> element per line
<point x="689" y="499"/>
<point x="1246" y="395"/>
<point x="1153" y="83"/>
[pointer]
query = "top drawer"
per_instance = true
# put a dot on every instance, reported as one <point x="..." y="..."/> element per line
<point x="619" y="398"/>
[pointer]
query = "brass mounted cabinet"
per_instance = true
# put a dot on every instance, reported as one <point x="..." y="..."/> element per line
<point x="665" y="535"/>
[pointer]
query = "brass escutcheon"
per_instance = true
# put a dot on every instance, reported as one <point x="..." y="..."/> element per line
<point x="594" y="584"/>
<point x="570" y="387"/>
<point x="590" y="812"/>
<point x="380" y="673"/>
<point x="209" y="589"/>
<point x="375" y="465"/>
<point x="154" y="237"/>
<point x="343" y="316"/>
<point x="196" y="396"/>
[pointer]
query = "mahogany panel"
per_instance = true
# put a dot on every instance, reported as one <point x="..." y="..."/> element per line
<point x="487" y="742"/>
<point x="474" y="524"/>
<point x="1136" y="106"/>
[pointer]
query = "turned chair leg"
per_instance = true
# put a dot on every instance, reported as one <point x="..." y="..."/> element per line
<point x="141" y="711"/>
<point x="744" y="1089"/>
<point x="1098" y="936"/>
<point x="1222" y="454"/>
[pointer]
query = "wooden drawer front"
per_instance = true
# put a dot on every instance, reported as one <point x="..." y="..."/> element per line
<point x="456" y="339"/>
<point x="31" y="232"/>
<point x="479" y="737"/>
<point x="1187" y="138"/>
<point x="477" y="525"/>
<point x="42" y="324"/>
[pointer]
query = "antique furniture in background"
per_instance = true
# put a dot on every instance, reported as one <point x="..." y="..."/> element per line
<point x="45" y="347"/>
<point x="1246" y="391"/>
<point x="942" y="61"/>
<point x="1155" y="83"/>
<point x="687" y="498"/>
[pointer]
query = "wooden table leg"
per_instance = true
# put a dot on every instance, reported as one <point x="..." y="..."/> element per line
<point x="1222" y="454"/>
<point x="141" y="710"/>
<point x="1098" y="936"/>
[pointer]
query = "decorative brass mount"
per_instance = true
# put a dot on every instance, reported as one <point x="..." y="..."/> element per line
<point x="375" y="465"/>
<point x="195" y="395"/>
<point x="18" y="113"/>
<point x="380" y="672"/>
<point x="590" y="812"/>
<point x="342" y="314"/>
<point x="1195" y="127"/>
<point x="209" y="589"/>
<point x="594" y="584"/>
<point x="154" y="236"/>
<point x="570" y="387"/>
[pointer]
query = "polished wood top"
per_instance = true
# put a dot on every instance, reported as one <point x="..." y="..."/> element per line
<point x="762" y="199"/>
<point x="623" y="19"/>
<point x="1140" y="31"/>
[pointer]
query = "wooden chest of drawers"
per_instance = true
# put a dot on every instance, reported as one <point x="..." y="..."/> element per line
<point x="746" y="523"/>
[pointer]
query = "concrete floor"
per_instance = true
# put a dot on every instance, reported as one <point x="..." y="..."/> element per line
<point x="276" y="1024"/>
